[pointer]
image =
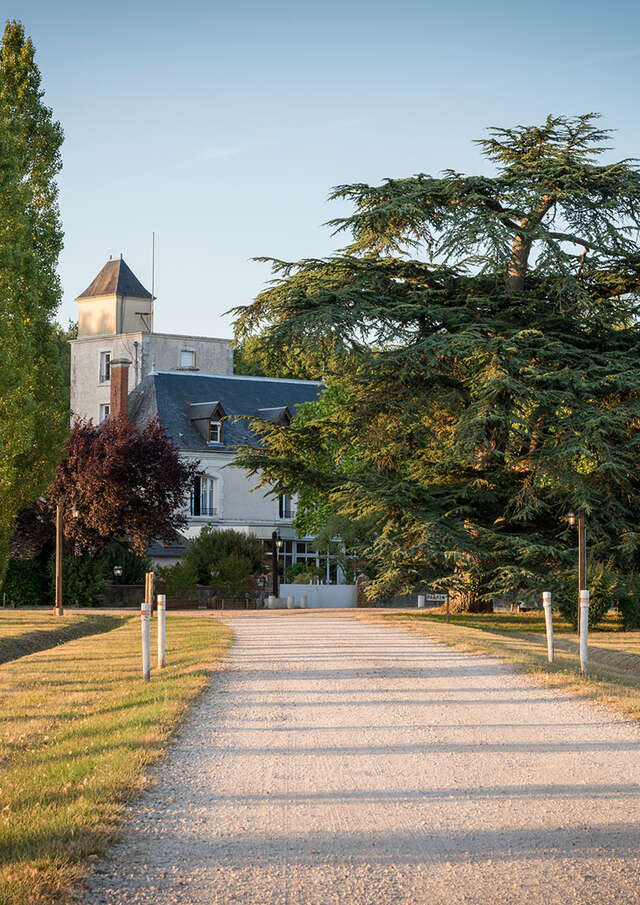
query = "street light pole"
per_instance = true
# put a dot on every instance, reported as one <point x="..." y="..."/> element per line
<point x="75" y="512"/>
<point x="276" y="544"/>
<point x="582" y="552"/>
<point x="57" y="610"/>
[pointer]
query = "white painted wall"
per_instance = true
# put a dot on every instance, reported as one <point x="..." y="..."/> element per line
<point x="147" y="352"/>
<point x="322" y="596"/>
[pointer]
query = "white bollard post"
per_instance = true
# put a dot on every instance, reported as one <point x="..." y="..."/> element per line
<point x="584" y="632"/>
<point x="162" y="631"/>
<point x="546" y="603"/>
<point x="271" y="601"/>
<point x="303" y="601"/>
<point x="145" y="618"/>
<point x="291" y="602"/>
<point x="421" y="601"/>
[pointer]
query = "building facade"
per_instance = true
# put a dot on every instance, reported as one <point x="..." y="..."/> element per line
<point x="188" y="383"/>
<point x="115" y="320"/>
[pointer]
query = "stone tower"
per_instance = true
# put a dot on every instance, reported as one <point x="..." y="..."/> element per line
<point x="115" y="302"/>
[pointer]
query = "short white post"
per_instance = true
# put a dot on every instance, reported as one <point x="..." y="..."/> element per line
<point x="584" y="632"/>
<point x="291" y="602"/>
<point x="546" y="603"/>
<point x="304" y="601"/>
<point x="162" y="631"/>
<point x="271" y="601"/>
<point x="145" y="614"/>
<point x="421" y="601"/>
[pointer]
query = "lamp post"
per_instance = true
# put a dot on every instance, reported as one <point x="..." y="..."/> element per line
<point x="75" y="512"/>
<point x="276" y="544"/>
<point x="117" y="572"/>
<point x="583" y="593"/>
<point x="582" y="547"/>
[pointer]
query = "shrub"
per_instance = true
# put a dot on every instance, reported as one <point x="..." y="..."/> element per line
<point x="180" y="580"/>
<point x="207" y="551"/>
<point x="629" y="605"/>
<point x="82" y="579"/>
<point x="26" y="583"/>
<point x="602" y="583"/>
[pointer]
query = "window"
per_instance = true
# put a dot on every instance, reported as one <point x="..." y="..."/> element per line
<point x="214" y="433"/>
<point x="204" y="496"/>
<point x="187" y="359"/>
<point x="105" y="367"/>
<point x="105" y="408"/>
<point x="285" y="508"/>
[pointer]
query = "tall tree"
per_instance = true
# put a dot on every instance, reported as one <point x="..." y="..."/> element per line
<point x="33" y="419"/>
<point x="486" y="375"/>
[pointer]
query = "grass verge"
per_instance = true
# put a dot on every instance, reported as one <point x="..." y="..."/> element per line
<point x="24" y="632"/>
<point x="78" y="728"/>
<point x="614" y="656"/>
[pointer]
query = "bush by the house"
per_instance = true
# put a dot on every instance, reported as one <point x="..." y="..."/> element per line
<point x="180" y="580"/>
<point x="208" y="552"/>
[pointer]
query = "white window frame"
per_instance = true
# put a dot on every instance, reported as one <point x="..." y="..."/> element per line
<point x="192" y="362"/>
<point x="217" y="426"/>
<point x="105" y="410"/>
<point x="285" y="506"/>
<point x="105" y="366"/>
<point x="204" y="497"/>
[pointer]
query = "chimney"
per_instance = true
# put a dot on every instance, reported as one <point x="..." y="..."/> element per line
<point x="119" y="369"/>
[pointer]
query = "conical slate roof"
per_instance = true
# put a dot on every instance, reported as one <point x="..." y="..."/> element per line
<point x="116" y="278"/>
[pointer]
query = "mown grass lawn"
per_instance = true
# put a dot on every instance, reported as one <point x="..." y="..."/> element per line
<point x="78" y="728"/>
<point x="519" y="638"/>
<point x="25" y="631"/>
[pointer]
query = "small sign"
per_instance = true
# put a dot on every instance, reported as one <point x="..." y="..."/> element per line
<point x="439" y="598"/>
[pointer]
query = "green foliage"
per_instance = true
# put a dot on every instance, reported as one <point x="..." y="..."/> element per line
<point x="134" y="566"/>
<point x="83" y="580"/>
<point x="603" y="586"/>
<point x="33" y="414"/>
<point x="302" y="573"/>
<point x="210" y="552"/>
<point x="180" y="580"/>
<point x="26" y="583"/>
<point x="629" y="605"/>
<point x="480" y="343"/>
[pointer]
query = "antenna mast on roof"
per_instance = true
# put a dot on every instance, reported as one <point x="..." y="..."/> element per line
<point x="153" y="265"/>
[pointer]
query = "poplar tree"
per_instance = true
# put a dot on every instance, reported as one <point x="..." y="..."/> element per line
<point x="484" y="365"/>
<point x="33" y="419"/>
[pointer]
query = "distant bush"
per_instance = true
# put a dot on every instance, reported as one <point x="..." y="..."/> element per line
<point x="629" y="605"/>
<point x="208" y="551"/>
<point x="180" y="580"/>
<point x="82" y="580"/>
<point x="603" y="585"/>
<point x="26" y="583"/>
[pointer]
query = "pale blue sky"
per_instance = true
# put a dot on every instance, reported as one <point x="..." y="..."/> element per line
<point x="222" y="126"/>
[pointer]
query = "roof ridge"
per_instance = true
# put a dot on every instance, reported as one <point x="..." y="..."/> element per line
<point x="191" y="374"/>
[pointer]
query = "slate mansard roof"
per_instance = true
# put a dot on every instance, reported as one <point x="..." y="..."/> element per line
<point x="116" y="278"/>
<point x="172" y="395"/>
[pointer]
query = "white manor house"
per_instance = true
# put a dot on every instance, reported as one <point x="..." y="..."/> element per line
<point x="118" y="361"/>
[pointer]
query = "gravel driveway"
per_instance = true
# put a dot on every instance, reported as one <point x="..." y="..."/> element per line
<point x="340" y="762"/>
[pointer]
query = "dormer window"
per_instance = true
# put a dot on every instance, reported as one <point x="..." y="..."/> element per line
<point x="214" y="433"/>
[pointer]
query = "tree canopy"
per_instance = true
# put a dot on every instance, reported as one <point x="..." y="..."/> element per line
<point x="479" y="340"/>
<point x="123" y="483"/>
<point x="33" y="417"/>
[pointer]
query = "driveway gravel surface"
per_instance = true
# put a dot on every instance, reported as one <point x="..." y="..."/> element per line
<point x="340" y="762"/>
